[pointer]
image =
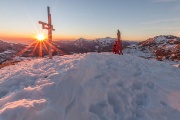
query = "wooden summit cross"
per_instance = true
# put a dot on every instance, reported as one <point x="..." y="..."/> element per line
<point x="49" y="27"/>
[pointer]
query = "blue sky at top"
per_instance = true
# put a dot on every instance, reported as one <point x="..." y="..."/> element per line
<point x="137" y="19"/>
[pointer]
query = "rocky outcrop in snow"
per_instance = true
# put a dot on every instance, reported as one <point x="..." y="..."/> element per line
<point x="8" y="50"/>
<point x="159" y="47"/>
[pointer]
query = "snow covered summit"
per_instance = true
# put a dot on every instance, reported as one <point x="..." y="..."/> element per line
<point x="163" y="47"/>
<point x="90" y="87"/>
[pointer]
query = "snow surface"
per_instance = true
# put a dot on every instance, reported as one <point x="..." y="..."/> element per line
<point x="90" y="86"/>
<point x="7" y="52"/>
<point x="160" y="39"/>
<point x="136" y="51"/>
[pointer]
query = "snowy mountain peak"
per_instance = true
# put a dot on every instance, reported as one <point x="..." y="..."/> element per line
<point x="165" y="38"/>
<point x="163" y="47"/>
<point x="82" y="40"/>
<point x="106" y="40"/>
<point x="162" y="39"/>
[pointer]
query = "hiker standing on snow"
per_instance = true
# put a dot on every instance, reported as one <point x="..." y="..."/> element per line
<point x="114" y="49"/>
<point x="117" y="48"/>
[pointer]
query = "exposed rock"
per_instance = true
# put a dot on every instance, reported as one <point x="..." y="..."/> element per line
<point x="163" y="47"/>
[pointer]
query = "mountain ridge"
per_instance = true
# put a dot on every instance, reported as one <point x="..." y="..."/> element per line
<point x="163" y="47"/>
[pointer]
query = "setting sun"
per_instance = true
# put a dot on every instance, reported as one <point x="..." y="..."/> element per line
<point x="40" y="37"/>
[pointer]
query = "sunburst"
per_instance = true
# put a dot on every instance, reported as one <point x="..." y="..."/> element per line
<point x="40" y="37"/>
<point x="39" y="44"/>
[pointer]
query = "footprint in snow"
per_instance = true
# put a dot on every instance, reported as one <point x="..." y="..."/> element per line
<point x="141" y="99"/>
<point x="150" y="85"/>
<point x="137" y="86"/>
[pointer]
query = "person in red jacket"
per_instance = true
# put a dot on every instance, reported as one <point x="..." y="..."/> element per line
<point x="120" y="48"/>
<point x="117" y="48"/>
<point x="114" y="49"/>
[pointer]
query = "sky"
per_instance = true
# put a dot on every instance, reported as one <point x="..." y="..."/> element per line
<point x="137" y="20"/>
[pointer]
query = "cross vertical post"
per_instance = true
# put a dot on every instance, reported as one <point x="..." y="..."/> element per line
<point x="49" y="33"/>
<point x="49" y="27"/>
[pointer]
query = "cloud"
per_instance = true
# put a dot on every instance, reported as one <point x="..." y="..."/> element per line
<point x="164" y="0"/>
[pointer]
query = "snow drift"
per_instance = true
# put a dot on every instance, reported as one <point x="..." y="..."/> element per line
<point x="90" y="87"/>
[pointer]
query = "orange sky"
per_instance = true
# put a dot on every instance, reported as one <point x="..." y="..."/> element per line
<point x="26" y="39"/>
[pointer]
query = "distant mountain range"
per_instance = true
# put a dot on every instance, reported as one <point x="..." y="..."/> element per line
<point x="9" y="50"/>
<point x="83" y="45"/>
<point x="160" y="47"/>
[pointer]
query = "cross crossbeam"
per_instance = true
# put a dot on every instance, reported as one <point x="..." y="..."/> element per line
<point x="46" y="26"/>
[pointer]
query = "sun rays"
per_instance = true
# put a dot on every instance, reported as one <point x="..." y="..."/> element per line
<point x="40" y="46"/>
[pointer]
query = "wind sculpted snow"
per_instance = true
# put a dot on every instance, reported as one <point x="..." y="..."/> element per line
<point x="90" y="87"/>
